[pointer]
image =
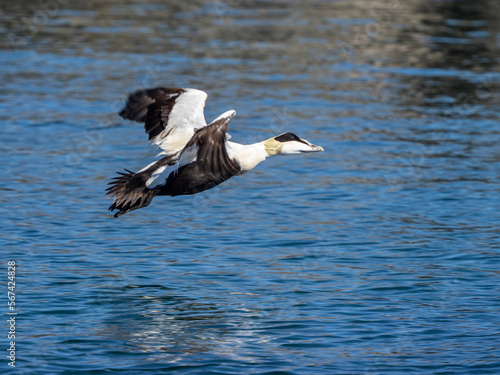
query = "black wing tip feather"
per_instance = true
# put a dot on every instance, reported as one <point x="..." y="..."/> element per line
<point x="136" y="106"/>
<point x="138" y="102"/>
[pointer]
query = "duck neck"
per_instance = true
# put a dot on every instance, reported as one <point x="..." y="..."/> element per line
<point x="247" y="156"/>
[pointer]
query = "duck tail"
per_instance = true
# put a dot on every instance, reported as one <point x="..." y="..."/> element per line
<point x="130" y="192"/>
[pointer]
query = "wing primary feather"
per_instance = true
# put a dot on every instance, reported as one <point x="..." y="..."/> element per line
<point x="170" y="115"/>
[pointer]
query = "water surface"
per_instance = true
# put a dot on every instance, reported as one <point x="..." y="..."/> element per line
<point x="377" y="256"/>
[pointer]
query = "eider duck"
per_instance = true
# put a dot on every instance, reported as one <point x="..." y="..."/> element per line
<point x="198" y="156"/>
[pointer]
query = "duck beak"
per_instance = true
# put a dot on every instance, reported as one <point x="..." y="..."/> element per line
<point x="314" y="148"/>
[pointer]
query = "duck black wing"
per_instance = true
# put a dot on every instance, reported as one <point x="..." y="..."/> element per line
<point x="204" y="162"/>
<point x="170" y="115"/>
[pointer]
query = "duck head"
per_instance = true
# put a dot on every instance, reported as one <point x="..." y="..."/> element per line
<point x="288" y="144"/>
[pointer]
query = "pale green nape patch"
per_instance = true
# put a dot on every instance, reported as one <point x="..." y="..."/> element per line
<point x="273" y="147"/>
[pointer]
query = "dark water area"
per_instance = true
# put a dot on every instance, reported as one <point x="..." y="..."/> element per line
<point x="378" y="256"/>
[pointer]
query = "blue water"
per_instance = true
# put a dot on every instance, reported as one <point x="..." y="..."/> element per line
<point x="378" y="256"/>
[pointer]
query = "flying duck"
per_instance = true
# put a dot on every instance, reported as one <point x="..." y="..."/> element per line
<point x="197" y="155"/>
